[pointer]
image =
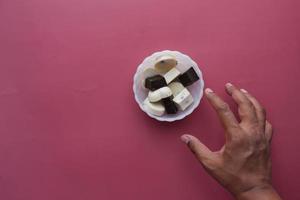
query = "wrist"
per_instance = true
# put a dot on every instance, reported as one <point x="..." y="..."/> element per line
<point x="260" y="192"/>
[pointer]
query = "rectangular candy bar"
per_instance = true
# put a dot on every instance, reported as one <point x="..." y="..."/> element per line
<point x="176" y="88"/>
<point x="188" y="77"/>
<point x="155" y="82"/>
<point x="171" y="75"/>
<point x="184" y="99"/>
<point x="170" y="106"/>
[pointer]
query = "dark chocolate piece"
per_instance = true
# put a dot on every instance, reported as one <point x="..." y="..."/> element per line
<point x="155" y="82"/>
<point x="170" y="106"/>
<point x="189" y="77"/>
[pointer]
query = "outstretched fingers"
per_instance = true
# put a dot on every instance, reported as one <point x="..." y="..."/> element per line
<point x="259" y="109"/>
<point x="245" y="107"/>
<point x="223" y="110"/>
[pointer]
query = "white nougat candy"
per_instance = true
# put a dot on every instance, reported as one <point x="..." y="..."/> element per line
<point x="156" y="108"/>
<point x="184" y="99"/>
<point x="164" y="63"/>
<point x="176" y="88"/>
<point x="171" y="75"/>
<point x="159" y="94"/>
<point x="148" y="72"/>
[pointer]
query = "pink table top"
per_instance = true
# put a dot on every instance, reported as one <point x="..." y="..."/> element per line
<point x="69" y="125"/>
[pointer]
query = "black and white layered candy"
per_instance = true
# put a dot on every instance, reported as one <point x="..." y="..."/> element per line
<point x="155" y="82"/>
<point x="189" y="77"/>
<point x="170" y="105"/>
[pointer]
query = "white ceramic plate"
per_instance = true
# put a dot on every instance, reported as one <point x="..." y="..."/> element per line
<point x="184" y="63"/>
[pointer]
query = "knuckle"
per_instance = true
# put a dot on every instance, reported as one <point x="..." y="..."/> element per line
<point x="262" y="146"/>
<point x="236" y="92"/>
<point x="236" y="139"/>
<point x="250" y="105"/>
<point x="232" y="129"/>
<point x="257" y="131"/>
<point x="247" y="104"/>
<point x="259" y="142"/>
<point x="223" y="107"/>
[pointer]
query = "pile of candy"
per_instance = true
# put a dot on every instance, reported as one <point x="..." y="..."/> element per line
<point x="167" y="85"/>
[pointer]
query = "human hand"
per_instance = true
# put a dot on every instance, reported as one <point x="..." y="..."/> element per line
<point x="243" y="165"/>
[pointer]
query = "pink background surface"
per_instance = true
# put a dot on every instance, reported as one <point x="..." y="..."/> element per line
<point x="69" y="125"/>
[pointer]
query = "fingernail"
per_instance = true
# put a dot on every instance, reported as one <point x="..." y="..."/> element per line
<point x="228" y="85"/>
<point x="185" y="138"/>
<point x="208" y="90"/>
<point x="243" y="90"/>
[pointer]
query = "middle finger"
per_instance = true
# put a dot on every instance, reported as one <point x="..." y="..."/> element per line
<point x="245" y="107"/>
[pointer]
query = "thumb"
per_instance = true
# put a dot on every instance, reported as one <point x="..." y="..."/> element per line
<point x="201" y="151"/>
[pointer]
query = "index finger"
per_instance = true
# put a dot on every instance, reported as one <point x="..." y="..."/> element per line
<point x="225" y="115"/>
